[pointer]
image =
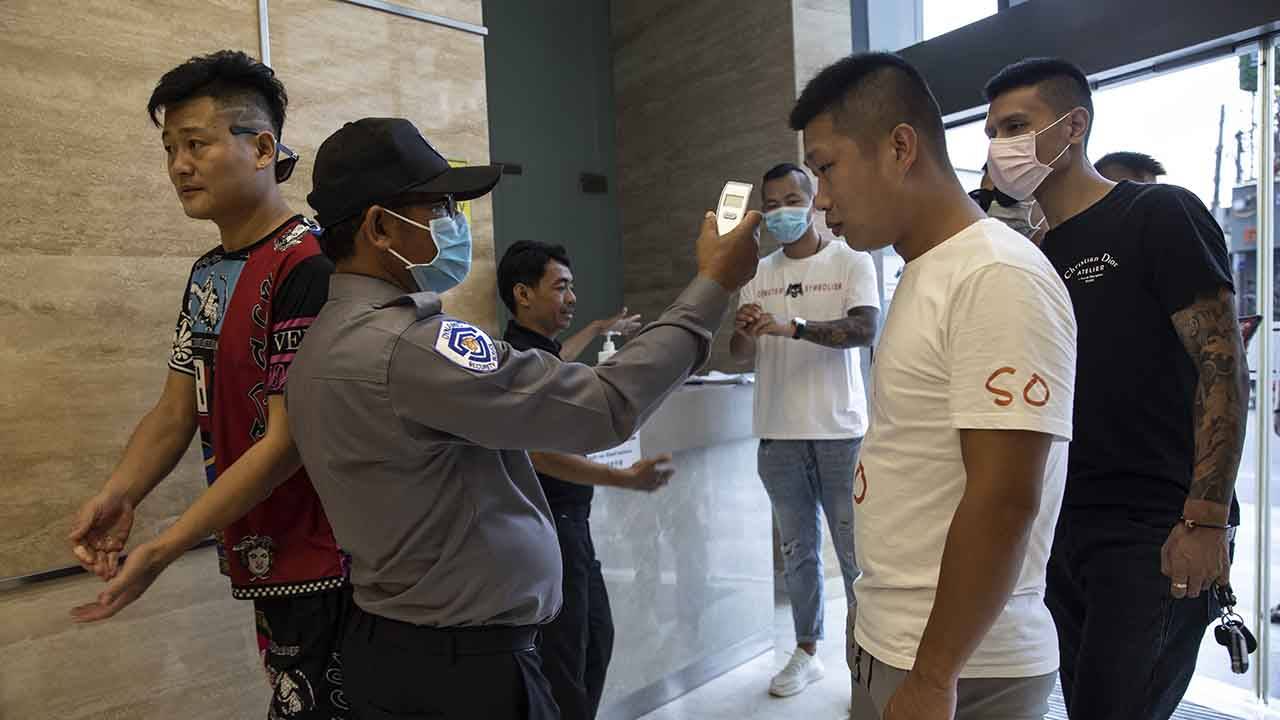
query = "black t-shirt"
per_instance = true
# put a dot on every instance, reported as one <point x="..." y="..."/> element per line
<point x="560" y="494"/>
<point x="1130" y="262"/>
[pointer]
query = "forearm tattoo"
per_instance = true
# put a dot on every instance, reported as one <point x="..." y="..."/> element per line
<point x="856" y="330"/>
<point x="1211" y="335"/>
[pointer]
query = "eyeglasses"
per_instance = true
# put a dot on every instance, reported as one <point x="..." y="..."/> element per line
<point x="285" y="165"/>
<point x="984" y="198"/>
<point x="445" y="207"/>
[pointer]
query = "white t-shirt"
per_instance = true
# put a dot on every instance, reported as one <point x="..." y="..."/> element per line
<point x="980" y="335"/>
<point x="805" y="391"/>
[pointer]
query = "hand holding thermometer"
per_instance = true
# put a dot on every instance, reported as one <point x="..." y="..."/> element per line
<point x="733" y="205"/>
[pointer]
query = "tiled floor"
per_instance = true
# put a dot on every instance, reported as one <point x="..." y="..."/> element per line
<point x="187" y="650"/>
<point x="742" y="694"/>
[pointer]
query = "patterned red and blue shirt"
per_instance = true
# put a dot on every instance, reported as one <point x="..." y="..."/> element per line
<point x="243" y="317"/>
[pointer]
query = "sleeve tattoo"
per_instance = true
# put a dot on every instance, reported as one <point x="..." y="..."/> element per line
<point x="858" y="329"/>
<point x="1211" y="335"/>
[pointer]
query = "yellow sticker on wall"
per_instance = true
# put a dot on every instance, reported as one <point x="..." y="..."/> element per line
<point x="465" y="206"/>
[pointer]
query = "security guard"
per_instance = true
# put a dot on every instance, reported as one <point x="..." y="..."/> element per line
<point x="400" y="413"/>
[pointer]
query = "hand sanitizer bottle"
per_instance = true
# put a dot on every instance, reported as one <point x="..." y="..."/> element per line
<point x="608" y="350"/>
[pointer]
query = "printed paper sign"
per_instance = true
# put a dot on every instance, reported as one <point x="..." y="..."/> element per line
<point x="621" y="457"/>
<point x="464" y="206"/>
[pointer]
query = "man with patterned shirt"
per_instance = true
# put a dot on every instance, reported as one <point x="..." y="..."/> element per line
<point x="247" y="305"/>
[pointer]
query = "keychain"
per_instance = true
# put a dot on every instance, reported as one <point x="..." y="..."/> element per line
<point x="1231" y="632"/>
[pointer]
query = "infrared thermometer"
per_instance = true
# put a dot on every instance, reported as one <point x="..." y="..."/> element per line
<point x="733" y="205"/>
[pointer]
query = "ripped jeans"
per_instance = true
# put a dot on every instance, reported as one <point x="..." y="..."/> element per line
<point x="804" y="477"/>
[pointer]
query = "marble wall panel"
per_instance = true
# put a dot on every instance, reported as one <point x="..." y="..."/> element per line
<point x="464" y="10"/>
<point x="343" y="62"/>
<point x="94" y="251"/>
<point x="83" y="169"/>
<point x="94" y="247"/>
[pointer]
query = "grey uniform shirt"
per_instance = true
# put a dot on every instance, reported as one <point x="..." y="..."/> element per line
<point x="401" y="415"/>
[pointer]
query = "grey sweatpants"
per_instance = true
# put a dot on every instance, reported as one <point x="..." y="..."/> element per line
<point x="979" y="698"/>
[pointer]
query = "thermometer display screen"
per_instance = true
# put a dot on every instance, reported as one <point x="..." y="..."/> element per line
<point x="733" y="201"/>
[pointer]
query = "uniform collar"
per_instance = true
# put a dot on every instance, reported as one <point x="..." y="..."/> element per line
<point x="520" y="335"/>
<point x="380" y="293"/>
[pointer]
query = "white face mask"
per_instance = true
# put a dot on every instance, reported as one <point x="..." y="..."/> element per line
<point x="1015" y="168"/>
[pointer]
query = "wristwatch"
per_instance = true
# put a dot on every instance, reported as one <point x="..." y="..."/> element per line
<point x="800" y="324"/>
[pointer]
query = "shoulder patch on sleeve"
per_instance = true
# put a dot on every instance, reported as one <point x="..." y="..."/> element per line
<point x="467" y="346"/>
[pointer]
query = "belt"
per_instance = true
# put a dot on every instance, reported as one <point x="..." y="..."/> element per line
<point x="483" y="640"/>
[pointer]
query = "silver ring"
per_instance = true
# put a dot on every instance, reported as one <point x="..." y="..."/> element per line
<point x="1179" y="586"/>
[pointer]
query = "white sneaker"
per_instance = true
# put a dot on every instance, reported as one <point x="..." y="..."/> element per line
<point x="802" y="670"/>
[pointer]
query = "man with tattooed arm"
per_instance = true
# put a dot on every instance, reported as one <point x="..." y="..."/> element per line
<point x="1149" y="514"/>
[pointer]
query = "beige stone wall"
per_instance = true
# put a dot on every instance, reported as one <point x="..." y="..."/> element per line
<point x="701" y="92"/>
<point x="94" y="248"/>
<point x="342" y="62"/>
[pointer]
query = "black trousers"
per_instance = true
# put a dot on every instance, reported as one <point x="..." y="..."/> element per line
<point x="399" y="671"/>
<point x="577" y="645"/>
<point x="1128" y="647"/>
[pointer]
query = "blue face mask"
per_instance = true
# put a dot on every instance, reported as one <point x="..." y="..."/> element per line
<point x="788" y="224"/>
<point x="452" y="262"/>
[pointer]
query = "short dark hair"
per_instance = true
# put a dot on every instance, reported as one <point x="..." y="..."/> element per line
<point x="871" y="93"/>
<point x="229" y="77"/>
<point x="1060" y="83"/>
<point x="1136" y="162"/>
<point x="782" y="170"/>
<point x="338" y="241"/>
<point x="524" y="264"/>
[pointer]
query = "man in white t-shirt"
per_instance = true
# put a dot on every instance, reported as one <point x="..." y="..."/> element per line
<point x="961" y="474"/>
<point x="812" y="304"/>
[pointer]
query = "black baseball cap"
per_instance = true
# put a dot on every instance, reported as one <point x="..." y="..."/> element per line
<point x="375" y="159"/>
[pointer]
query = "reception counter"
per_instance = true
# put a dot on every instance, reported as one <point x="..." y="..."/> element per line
<point x="689" y="568"/>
